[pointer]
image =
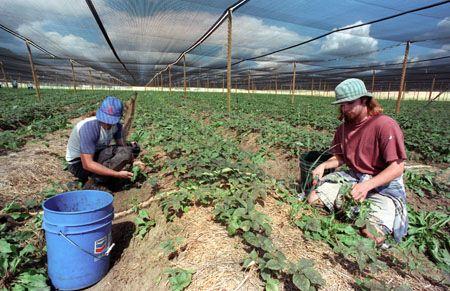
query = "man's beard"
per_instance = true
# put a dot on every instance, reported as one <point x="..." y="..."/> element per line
<point x="349" y="117"/>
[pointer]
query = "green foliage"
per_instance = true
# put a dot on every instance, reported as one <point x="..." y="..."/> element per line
<point x="419" y="183"/>
<point x="429" y="233"/>
<point x="171" y="246"/>
<point x="138" y="175"/>
<point x="211" y="171"/>
<point x="373" y="285"/>
<point x="22" y="263"/>
<point x="23" y="117"/>
<point x="144" y="223"/>
<point x="179" y="279"/>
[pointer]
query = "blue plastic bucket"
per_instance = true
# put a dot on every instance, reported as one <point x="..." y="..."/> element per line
<point x="77" y="228"/>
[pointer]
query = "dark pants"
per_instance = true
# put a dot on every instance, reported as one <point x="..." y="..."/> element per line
<point x="113" y="157"/>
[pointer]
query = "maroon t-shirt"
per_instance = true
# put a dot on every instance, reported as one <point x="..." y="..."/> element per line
<point x="370" y="146"/>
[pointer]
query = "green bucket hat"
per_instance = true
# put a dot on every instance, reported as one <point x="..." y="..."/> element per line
<point x="350" y="90"/>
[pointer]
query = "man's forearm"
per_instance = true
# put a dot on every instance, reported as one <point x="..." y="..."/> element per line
<point x="394" y="170"/>
<point x="99" y="169"/>
<point x="332" y="162"/>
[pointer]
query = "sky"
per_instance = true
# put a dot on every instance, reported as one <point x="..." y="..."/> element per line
<point x="148" y="35"/>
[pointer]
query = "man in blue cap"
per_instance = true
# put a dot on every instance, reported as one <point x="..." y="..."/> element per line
<point x="89" y="153"/>
<point x="371" y="145"/>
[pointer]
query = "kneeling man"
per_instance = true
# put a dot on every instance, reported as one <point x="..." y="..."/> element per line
<point x="89" y="153"/>
<point x="371" y="145"/>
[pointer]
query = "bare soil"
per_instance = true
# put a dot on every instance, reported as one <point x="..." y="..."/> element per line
<point x="205" y="248"/>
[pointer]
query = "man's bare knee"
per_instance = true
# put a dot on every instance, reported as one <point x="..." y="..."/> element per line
<point x="313" y="197"/>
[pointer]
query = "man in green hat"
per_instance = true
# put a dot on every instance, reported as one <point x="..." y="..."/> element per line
<point x="371" y="145"/>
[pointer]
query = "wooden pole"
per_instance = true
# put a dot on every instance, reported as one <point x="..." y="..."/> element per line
<point x="33" y="71"/>
<point x="170" y="79"/>
<point x="248" y="85"/>
<point x="230" y="27"/>
<point x="90" y="79"/>
<point x="402" y="80"/>
<point x="373" y="81"/>
<point x="4" y="75"/>
<point x="432" y="87"/>
<point x="389" y="91"/>
<point x="73" y="77"/>
<point x="276" y="84"/>
<point x="184" y="76"/>
<point x="293" y="83"/>
<point x="404" y="91"/>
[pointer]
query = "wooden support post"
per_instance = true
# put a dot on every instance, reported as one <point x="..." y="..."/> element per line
<point x="73" y="77"/>
<point x="373" y="81"/>
<point x="170" y="79"/>
<point x="276" y="84"/>
<point x="230" y="27"/>
<point x="184" y="76"/>
<point x="90" y="79"/>
<point x="4" y="75"/>
<point x="33" y="71"/>
<point x="404" y="91"/>
<point x="320" y="86"/>
<point x="432" y="87"/>
<point x="402" y="80"/>
<point x="130" y="106"/>
<point x="293" y="83"/>
<point x="248" y="85"/>
<point x="389" y="91"/>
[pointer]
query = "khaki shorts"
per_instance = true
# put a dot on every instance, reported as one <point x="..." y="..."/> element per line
<point x="382" y="208"/>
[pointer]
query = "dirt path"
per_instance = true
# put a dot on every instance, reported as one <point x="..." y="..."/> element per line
<point x="205" y="248"/>
<point x="24" y="175"/>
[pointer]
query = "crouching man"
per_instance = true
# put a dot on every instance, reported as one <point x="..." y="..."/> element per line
<point x="371" y="145"/>
<point x="89" y="153"/>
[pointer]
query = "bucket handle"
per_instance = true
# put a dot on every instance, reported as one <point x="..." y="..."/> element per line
<point x="86" y="252"/>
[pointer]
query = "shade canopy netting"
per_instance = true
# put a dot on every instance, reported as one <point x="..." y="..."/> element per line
<point x="140" y="38"/>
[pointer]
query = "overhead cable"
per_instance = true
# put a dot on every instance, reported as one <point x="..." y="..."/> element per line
<point x="210" y="31"/>
<point x="344" y="29"/>
<point x="105" y="34"/>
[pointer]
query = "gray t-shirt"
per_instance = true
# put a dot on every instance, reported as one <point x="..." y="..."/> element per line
<point x="88" y="137"/>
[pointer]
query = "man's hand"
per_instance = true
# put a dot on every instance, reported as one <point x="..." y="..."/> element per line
<point x="124" y="175"/>
<point x="317" y="174"/>
<point x="360" y="191"/>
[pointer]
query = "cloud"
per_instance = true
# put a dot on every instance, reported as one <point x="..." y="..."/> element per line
<point x="39" y="9"/>
<point x="354" y="41"/>
<point x="154" y="40"/>
<point x="444" y="24"/>
<point x="70" y="45"/>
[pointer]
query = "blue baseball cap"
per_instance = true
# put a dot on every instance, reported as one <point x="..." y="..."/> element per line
<point x="110" y="110"/>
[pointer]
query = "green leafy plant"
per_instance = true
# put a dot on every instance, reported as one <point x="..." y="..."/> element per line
<point x="144" y="223"/>
<point x="419" y="183"/>
<point x="179" y="279"/>
<point x="21" y="262"/>
<point x="429" y="233"/>
<point x="171" y="247"/>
